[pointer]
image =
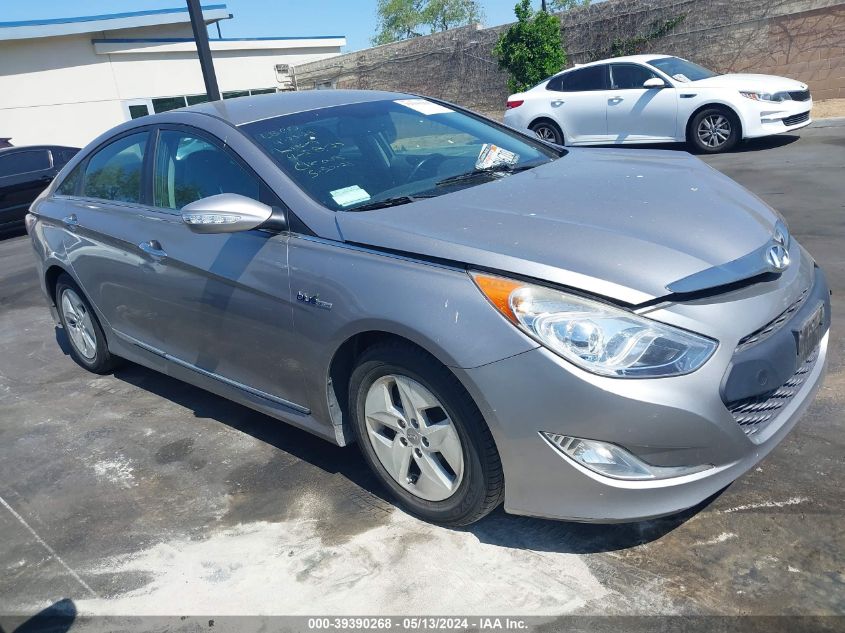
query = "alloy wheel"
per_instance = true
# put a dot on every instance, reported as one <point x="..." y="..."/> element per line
<point x="80" y="328"/>
<point x="413" y="437"/>
<point x="714" y="130"/>
<point x="546" y="133"/>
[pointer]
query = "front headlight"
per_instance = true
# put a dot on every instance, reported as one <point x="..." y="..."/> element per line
<point x="597" y="337"/>
<point x="761" y="96"/>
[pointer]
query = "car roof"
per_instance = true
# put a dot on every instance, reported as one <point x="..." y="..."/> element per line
<point x="243" y="110"/>
<point x="8" y="150"/>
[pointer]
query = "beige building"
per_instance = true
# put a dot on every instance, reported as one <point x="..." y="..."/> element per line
<point x="64" y="81"/>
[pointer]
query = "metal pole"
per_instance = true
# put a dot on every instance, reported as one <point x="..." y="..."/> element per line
<point x="543" y="5"/>
<point x="203" y="50"/>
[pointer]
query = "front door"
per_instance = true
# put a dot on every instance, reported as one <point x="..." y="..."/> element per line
<point x="636" y="113"/>
<point x="231" y="316"/>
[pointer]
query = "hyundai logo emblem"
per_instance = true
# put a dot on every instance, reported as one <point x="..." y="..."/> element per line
<point x="777" y="257"/>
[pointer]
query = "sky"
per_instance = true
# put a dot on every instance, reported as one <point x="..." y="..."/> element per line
<point x="356" y="19"/>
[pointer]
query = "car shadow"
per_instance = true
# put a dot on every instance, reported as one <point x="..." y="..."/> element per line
<point x="59" y="617"/>
<point x="7" y="234"/>
<point x="569" y="537"/>
<point x="498" y="528"/>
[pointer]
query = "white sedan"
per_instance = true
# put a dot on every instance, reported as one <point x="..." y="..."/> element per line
<point x="658" y="99"/>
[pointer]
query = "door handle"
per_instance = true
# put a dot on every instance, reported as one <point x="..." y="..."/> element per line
<point x="616" y="99"/>
<point x="557" y="103"/>
<point x="153" y="249"/>
<point x="71" y="221"/>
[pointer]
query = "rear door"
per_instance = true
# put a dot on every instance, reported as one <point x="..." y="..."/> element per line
<point x="24" y="174"/>
<point x="636" y="113"/>
<point x="103" y="208"/>
<point x="229" y="313"/>
<point x="578" y="101"/>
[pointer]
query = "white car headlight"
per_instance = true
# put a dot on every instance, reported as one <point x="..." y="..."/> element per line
<point x="761" y="96"/>
<point x="595" y="336"/>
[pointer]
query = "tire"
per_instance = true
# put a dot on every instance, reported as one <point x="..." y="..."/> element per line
<point x="463" y="489"/>
<point x="84" y="333"/>
<point x="713" y="130"/>
<point x="547" y="131"/>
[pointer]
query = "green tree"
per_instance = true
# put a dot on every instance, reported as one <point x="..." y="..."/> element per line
<point x="531" y="49"/>
<point x="398" y="20"/>
<point x="441" y="15"/>
<point x="404" y="19"/>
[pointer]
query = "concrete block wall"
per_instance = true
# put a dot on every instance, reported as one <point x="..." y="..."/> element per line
<point x="803" y="39"/>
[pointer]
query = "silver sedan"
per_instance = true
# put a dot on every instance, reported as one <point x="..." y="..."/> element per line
<point x="597" y="335"/>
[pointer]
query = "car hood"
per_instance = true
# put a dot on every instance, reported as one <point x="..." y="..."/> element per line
<point x="749" y="82"/>
<point x="625" y="224"/>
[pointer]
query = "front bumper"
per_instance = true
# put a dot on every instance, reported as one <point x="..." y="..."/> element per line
<point x="666" y="422"/>
<point x="762" y="118"/>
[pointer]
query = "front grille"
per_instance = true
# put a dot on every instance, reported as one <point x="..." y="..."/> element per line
<point x="800" y="95"/>
<point x="756" y="413"/>
<point x="795" y="119"/>
<point x="772" y="326"/>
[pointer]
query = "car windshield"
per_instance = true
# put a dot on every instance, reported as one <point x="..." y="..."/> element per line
<point x="682" y="70"/>
<point x="383" y="153"/>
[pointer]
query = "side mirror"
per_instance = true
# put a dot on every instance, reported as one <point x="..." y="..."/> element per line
<point x="654" y="82"/>
<point x="225" y="213"/>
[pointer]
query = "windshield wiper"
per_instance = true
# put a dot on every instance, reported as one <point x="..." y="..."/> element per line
<point x="495" y="171"/>
<point x="387" y="202"/>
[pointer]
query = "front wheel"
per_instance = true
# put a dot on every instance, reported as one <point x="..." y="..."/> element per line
<point x="423" y="436"/>
<point x="714" y="130"/>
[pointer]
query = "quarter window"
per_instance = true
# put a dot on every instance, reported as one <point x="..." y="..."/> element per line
<point x="629" y="76"/>
<point x="114" y="173"/>
<point x="584" y="79"/>
<point x="188" y="168"/>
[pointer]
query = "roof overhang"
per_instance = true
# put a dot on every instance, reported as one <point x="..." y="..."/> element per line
<point x="56" y="27"/>
<point x="181" y="45"/>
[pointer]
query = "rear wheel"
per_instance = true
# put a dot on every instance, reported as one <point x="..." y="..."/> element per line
<point x="714" y="130"/>
<point x="87" y="340"/>
<point x="547" y="131"/>
<point x="423" y="436"/>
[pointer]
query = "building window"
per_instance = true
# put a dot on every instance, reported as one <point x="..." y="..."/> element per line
<point x="324" y="85"/>
<point x="195" y="99"/>
<point x="164" y="104"/>
<point x="262" y="91"/>
<point x="137" y="111"/>
<point x="234" y="94"/>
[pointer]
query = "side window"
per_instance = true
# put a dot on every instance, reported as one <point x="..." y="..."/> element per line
<point x="188" y="168"/>
<point x="24" y="162"/>
<point x="629" y="76"/>
<point x="585" y="79"/>
<point x="69" y="185"/>
<point x="114" y="172"/>
<point x="62" y="156"/>
<point x="555" y="83"/>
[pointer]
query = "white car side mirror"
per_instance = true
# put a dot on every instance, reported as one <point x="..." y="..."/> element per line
<point x="225" y="213"/>
<point x="654" y="82"/>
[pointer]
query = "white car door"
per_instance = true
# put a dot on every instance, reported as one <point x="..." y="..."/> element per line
<point x="578" y="101"/>
<point x="636" y="113"/>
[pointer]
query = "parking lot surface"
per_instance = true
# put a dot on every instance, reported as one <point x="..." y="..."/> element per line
<point x="133" y="493"/>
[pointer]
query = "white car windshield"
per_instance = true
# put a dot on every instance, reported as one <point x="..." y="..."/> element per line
<point x="682" y="70"/>
<point x="382" y="153"/>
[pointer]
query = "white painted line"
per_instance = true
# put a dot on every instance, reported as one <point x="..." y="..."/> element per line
<point x="48" y="548"/>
